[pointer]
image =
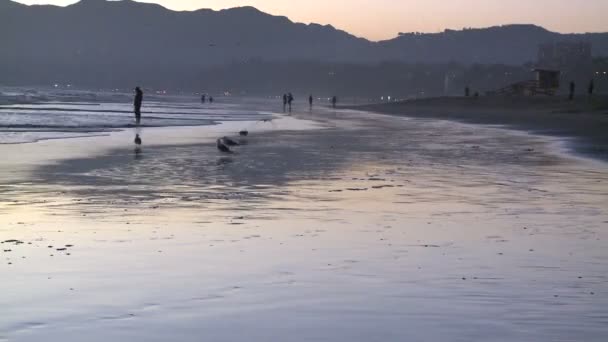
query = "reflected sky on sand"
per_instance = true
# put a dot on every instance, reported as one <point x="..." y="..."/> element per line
<point x="372" y="228"/>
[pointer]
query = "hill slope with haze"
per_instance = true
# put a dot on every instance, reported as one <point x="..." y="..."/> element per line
<point x="99" y="42"/>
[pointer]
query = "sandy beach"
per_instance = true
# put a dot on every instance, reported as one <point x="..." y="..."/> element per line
<point x="584" y="121"/>
<point x="323" y="226"/>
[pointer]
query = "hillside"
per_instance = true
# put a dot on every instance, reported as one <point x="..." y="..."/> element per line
<point x="99" y="42"/>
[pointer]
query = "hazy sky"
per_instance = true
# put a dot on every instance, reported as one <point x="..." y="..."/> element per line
<point x="383" y="19"/>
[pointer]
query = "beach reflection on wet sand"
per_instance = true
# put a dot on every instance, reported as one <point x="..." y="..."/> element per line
<point x="374" y="228"/>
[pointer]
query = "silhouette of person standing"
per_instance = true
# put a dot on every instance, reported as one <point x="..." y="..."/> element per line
<point x="139" y="98"/>
<point x="203" y="98"/>
<point x="591" y="88"/>
<point x="289" y="100"/>
<point x="210" y="99"/>
<point x="310" y="101"/>
<point x="334" y="101"/>
<point x="572" y="89"/>
<point x="284" y="101"/>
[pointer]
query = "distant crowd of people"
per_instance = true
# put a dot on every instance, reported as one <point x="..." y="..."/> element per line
<point x="204" y="98"/>
<point x="287" y="102"/>
<point x="590" y="89"/>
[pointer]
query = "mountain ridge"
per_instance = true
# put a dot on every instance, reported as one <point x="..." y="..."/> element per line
<point x="118" y="40"/>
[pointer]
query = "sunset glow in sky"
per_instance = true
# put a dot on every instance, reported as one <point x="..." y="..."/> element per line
<point x="383" y="19"/>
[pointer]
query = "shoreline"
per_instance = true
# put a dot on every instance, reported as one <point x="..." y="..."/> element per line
<point x="23" y="123"/>
<point x="376" y="215"/>
<point x="24" y="157"/>
<point x="583" y="123"/>
<point x="58" y="156"/>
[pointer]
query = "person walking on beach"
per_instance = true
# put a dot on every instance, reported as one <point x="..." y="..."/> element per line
<point x="334" y="101"/>
<point x="289" y="100"/>
<point x="310" y="101"/>
<point x="572" y="89"/>
<point x="139" y="98"/>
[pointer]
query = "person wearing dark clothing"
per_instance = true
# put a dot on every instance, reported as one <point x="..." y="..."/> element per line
<point x="572" y="89"/>
<point x="139" y="98"/>
<point x="210" y="99"/>
<point x="310" y="101"/>
<point x="284" y="101"/>
<point x="591" y="88"/>
<point x="467" y="91"/>
<point x="289" y="100"/>
<point x="203" y="98"/>
<point x="334" y="101"/>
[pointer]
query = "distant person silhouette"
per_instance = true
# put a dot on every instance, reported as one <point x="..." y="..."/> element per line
<point x="467" y="91"/>
<point x="203" y="98"/>
<point x="210" y="99"/>
<point x="289" y="100"/>
<point x="334" y="101"/>
<point x="284" y="101"/>
<point x="591" y="87"/>
<point x="310" y="99"/>
<point x="572" y="90"/>
<point x="139" y="98"/>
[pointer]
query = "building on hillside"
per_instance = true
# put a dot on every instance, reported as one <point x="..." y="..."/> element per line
<point x="558" y="64"/>
<point x="573" y="60"/>
<point x="545" y="82"/>
<point x="564" y="55"/>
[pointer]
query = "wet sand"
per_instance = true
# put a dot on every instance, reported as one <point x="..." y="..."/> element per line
<point x="583" y="121"/>
<point x="370" y="228"/>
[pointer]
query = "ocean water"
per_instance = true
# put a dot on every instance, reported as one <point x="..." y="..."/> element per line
<point x="30" y="116"/>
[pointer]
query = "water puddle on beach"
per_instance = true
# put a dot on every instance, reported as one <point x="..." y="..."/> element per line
<point x="373" y="228"/>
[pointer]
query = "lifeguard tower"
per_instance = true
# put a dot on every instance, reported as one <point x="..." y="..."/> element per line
<point x="546" y="82"/>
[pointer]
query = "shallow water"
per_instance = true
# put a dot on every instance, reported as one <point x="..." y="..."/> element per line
<point x="50" y="118"/>
<point x="373" y="228"/>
